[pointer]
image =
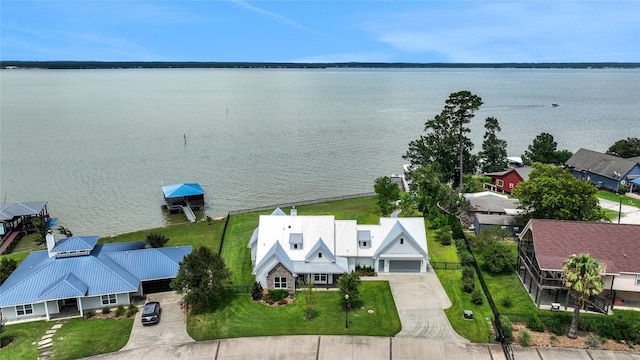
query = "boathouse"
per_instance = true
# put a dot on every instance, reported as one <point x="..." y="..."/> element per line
<point x="185" y="197"/>
<point x="15" y="221"/>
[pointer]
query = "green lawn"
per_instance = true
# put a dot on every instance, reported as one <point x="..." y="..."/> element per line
<point x="81" y="338"/>
<point x="25" y="335"/>
<point x="196" y="234"/>
<point x="238" y="316"/>
<point x="507" y="286"/>
<point x="615" y="197"/>
<point x="476" y="330"/>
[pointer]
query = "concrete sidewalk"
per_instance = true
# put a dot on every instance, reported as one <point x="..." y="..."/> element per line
<point x="313" y="347"/>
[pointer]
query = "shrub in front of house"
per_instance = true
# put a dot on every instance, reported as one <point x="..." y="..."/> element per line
<point x="132" y="310"/>
<point x="89" y="314"/>
<point x="476" y="297"/>
<point x="278" y="294"/>
<point x="506" y="327"/>
<point x="555" y="325"/>
<point x="468" y="284"/>
<point x="507" y="302"/>
<point x="534" y="323"/>
<point x="256" y="291"/>
<point x="363" y="270"/>
<point x="105" y="310"/>
<point x="466" y="258"/>
<point x="594" y="340"/>
<point x="120" y="311"/>
<point x="525" y="338"/>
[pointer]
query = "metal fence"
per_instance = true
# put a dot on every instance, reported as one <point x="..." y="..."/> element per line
<point x="304" y="202"/>
<point x="444" y="265"/>
<point x="499" y="336"/>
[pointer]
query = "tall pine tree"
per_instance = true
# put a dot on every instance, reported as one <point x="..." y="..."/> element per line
<point x="493" y="155"/>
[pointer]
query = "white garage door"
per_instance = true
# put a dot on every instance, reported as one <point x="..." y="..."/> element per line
<point x="412" y="266"/>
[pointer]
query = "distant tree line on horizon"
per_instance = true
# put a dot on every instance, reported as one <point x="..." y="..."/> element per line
<point x="274" y="65"/>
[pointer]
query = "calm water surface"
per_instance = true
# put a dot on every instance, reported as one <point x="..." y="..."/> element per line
<point x="99" y="144"/>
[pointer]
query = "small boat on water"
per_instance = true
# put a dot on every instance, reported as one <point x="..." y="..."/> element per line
<point x="554" y="104"/>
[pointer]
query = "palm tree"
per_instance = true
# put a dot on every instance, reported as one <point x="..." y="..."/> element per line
<point x="584" y="276"/>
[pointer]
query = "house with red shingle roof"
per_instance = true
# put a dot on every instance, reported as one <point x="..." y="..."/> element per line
<point x="544" y="245"/>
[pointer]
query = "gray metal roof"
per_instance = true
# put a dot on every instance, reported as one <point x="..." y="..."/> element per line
<point x="295" y="238"/>
<point x="606" y="165"/>
<point x="503" y="220"/>
<point x="25" y="208"/>
<point x="490" y="202"/>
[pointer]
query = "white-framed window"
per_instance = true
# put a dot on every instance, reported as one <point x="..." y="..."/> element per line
<point x="500" y="183"/>
<point x="363" y="244"/>
<point x="109" y="299"/>
<point x="638" y="279"/>
<point x="22" y="310"/>
<point x="280" y="282"/>
<point x="320" y="278"/>
<point x="510" y="185"/>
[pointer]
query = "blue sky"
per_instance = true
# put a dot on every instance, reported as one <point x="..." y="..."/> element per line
<point x="321" y="31"/>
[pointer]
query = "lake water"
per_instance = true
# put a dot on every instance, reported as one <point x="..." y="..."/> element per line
<point x="99" y="144"/>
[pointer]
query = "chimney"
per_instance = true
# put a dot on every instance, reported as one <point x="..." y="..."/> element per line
<point x="294" y="211"/>
<point x="51" y="242"/>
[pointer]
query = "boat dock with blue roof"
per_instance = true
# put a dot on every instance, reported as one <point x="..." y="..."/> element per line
<point x="184" y="197"/>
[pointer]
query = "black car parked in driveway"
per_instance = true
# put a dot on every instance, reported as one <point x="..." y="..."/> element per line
<point x="151" y="313"/>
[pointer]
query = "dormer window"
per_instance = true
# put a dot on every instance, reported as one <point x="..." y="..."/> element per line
<point x="401" y="241"/>
<point x="364" y="239"/>
<point x="319" y="255"/>
<point x="295" y="241"/>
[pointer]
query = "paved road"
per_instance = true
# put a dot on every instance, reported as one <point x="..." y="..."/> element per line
<point x="313" y="347"/>
<point x="426" y="334"/>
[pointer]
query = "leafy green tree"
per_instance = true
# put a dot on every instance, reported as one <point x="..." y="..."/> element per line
<point x="493" y="156"/>
<point x="553" y="193"/>
<point x="349" y="283"/>
<point x="157" y="240"/>
<point x="388" y="193"/>
<point x="309" y="296"/>
<point x="202" y="277"/>
<point x="42" y="228"/>
<point x="625" y="148"/>
<point x="7" y="266"/>
<point x="584" y="276"/>
<point x="429" y="187"/>
<point x="498" y="258"/>
<point x="491" y="235"/>
<point x="445" y="142"/>
<point x="408" y="205"/>
<point x="544" y="150"/>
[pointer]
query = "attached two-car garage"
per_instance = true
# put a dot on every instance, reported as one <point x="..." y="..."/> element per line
<point x="407" y="266"/>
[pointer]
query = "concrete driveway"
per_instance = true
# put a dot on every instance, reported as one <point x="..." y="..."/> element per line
<point x="630" y="214"/>
<point x="420" y="300"/>
<point x="172" y="328"/>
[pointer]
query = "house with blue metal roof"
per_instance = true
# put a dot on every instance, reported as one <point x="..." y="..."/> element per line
<point x="286" y="249"/>
<point x="76" y="274"/>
